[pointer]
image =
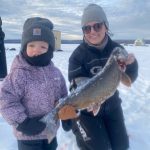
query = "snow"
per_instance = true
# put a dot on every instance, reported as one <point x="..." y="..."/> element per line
<point x="136" y="105"/>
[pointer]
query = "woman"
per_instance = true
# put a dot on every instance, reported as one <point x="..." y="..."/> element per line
<point x="98" y="127"/>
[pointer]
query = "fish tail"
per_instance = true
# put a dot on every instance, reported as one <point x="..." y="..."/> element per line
<point x="51" y="125"/>
<point x="125" y="79"/>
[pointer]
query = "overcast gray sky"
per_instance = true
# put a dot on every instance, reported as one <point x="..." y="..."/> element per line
<point x="128" y="19"/>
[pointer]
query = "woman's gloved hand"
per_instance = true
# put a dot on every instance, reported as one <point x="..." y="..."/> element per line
<point x="67" y="112"/>
<point x="31" y="126"/>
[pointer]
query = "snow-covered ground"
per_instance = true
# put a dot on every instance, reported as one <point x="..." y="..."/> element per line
<point x="136" y="102"/>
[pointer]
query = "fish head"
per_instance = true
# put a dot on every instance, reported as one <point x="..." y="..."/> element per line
<point x="120" y="53"/>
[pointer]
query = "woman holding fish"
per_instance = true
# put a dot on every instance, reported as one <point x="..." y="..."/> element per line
<point x="100" y="126"/>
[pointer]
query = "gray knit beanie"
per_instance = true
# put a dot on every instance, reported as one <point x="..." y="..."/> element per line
<point x="95" y="13"/>
<point x="37" y="29"/>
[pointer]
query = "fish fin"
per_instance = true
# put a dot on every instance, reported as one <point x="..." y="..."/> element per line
<point x="125" y="79"/>
<point x="50" y="137"/>
<point x="77" y="82"/>
<point x="73" y="85"/>
<point x="94" y="108"/>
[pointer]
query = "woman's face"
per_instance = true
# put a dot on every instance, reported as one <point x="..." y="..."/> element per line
<point x="94" y="32"/>
<point x="36" y="48"/>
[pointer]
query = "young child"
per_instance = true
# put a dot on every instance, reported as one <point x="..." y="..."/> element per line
<point x="33" y="86"/>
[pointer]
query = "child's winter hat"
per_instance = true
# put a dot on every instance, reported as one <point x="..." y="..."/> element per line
<point x="95" y="13"/>
<point x="37" y="29"/>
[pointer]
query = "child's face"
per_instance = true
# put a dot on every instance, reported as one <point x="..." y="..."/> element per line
<point x="36" y="48"/>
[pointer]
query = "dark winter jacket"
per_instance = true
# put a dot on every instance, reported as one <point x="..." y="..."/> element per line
<point x="3" y="66"/>
<point x="30" y="91"/>
<point x="86" y="61"/>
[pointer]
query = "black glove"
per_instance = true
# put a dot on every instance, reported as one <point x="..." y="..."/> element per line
<point x="31" y="126"/>
<point x="66" y="124"/>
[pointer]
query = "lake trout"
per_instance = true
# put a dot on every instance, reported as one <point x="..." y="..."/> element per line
<point x="95" y="90"/>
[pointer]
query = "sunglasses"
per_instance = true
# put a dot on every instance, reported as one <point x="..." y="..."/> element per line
<point x="97" y="27"/>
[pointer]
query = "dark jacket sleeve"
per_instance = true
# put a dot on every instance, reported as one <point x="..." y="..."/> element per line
<point x="76" y="65"/>
<point x="132" y="70"/>
<point x="2" y="34"/>
<point x="0" y="21"/>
